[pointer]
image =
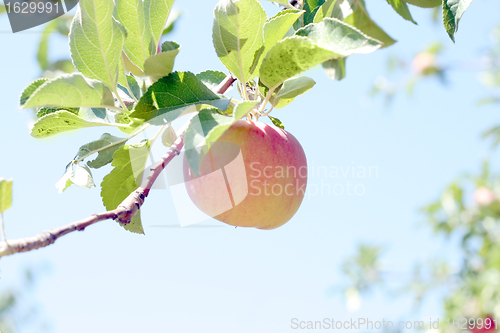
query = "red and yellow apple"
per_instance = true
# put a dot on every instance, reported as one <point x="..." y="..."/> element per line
<point x="255" y="175"/>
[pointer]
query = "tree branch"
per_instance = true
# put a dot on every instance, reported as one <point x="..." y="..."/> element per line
<point x="123" y="214"/>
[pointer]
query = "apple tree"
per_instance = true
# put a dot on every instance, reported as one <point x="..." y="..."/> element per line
<point x="121" y="78"/>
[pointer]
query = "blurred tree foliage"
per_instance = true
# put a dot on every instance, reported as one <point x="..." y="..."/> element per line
<point x="18" y="313"/>
<point x="467" y="209"/>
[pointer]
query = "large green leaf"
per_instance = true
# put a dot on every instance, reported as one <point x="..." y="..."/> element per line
<point x="452" y="13"/>
<point x="402" y="9"/>
<point x="106" y="146"/>
<point x="339" y="37"/>
<point x="162" y="64"/>
<point x="313" y="45"/>
<point x="96" y="40"/>
<point x="70" y="90"/>
<point x="290" y="57"/>
<point x="170" y="96"/>
<point x="139" y="44"/>
<point x="362" y="20"/>
<point x="157" y="12"/>
<point x="237" y="35"/>
<point x="5" y="194"/>
<point x="129" y="162"/>
<point x="58" y="122"/>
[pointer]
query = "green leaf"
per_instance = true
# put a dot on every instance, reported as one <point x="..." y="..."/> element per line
<point x="206" y="128"/>
<point x="361" y="20"/>
<point x="42" y="55"/>
<point x="326" y="40"/>
<point x="99" y="115"/>
<point x="169" y="136"/>
<point x="339" y="9"/>
<point x="290" y="89"/>
<point x="326" y="10"/>
<point x="139" y="44"/>
<point x="335" y="68"/>
<point x="162" y="64"/>
<point x="290" y="57"/>
<point x="106" y="146"/>
<point x="402" y="9"/>
<point x="452" y="13"/>
<point x="295" y="86"/>
<point x="277" y="122"/>
<point x="5" y="194"/>
<point x="237" y="35"/>
<point x="239" y="112"/>
<point x="172" y="19"/>
<point x="70" y="90"/>
<point x="170" y="96"/>
<point x="211" y="78"/>
<point x="340" y="38"/>
<point x="45" y="111"/>
<point x="311" y="7"/>
<point x="157" y="13"/>
<point x="129" y="162"/>
<point x="277" y="27"/>
<point x="76" y="175"/>
<point x="134" y="86"/>
<point x="96" y="40"/>
<point x="58" y="122"/>
<point x="29" y="90"/>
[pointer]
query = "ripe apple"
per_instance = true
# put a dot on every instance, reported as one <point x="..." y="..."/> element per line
<point x="255" y="175"/>
<point x="425" y="3"/>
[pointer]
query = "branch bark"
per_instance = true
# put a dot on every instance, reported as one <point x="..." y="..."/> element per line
<point x="123" y="214"/>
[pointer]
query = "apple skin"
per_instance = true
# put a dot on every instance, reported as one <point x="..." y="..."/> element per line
<point x="425" y="3"/>
<point x="270" y="189"/>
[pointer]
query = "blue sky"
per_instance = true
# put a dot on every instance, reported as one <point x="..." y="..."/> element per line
<point x="242" y="280"/>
